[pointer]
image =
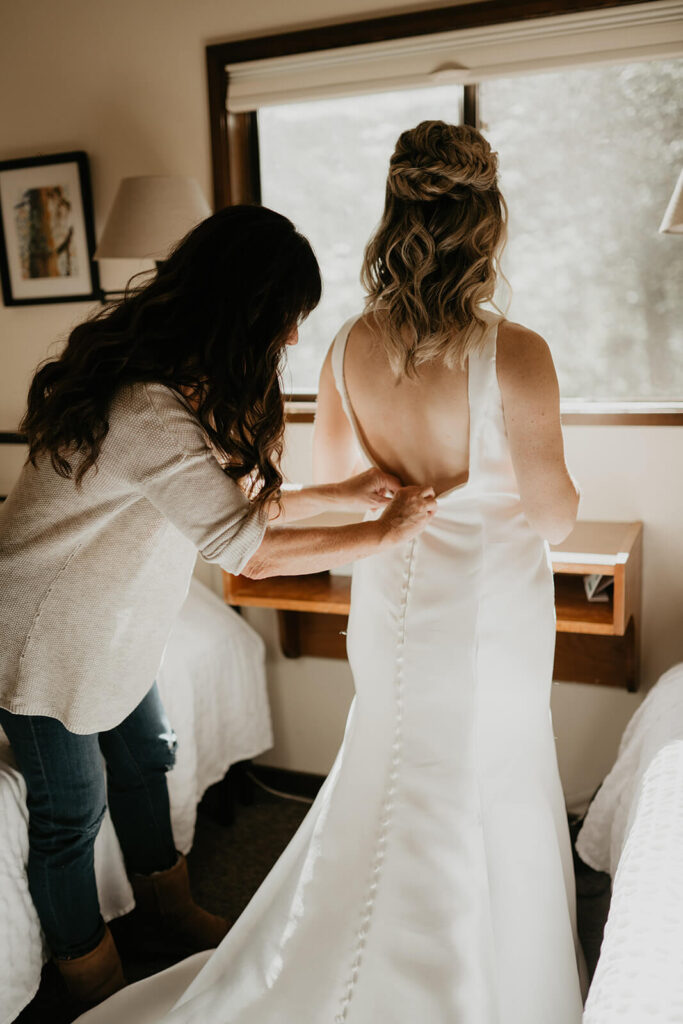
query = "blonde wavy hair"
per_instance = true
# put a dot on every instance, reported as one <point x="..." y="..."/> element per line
<point x="433" y="260"/>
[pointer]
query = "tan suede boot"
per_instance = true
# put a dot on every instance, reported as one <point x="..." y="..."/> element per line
<point x="164" y="898"/>
<point x="93" y="977"/>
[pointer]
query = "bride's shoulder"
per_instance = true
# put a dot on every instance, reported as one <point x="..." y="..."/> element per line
<point x="517" y="336"/>
<point x="524" y="362"/>
<point x="362" y="326"/>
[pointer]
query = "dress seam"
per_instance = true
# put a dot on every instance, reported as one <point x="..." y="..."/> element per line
<point x="387" y="804"/>
<point x="477" y="772"/>
<point x="489" y="390"/>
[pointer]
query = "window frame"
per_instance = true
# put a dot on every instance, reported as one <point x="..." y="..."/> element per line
<point x="235" y="146"/>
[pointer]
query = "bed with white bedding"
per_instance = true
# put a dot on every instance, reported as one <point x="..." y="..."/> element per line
<point x="634" y="830"/>
<point x="213" y="686"/>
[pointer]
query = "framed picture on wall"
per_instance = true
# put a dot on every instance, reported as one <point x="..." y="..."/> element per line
<point x="47" y="236"/>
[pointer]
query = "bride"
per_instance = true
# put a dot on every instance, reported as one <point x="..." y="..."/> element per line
<point x="432" y="878"/>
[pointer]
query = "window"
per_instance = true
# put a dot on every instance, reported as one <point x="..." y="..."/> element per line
<point x="588" y="160"/>
<point x="324" y="165"/>
<point x="584" y="110"/>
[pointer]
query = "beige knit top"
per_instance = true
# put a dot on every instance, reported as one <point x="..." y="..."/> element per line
<point x="91" y="578"/>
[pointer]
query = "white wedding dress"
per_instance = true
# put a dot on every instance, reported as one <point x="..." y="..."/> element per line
<point x="431" y="880"/>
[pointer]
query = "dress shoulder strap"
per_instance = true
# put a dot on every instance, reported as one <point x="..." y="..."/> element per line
<point x="338" y="350"/>
<point x="485" y="407"/>
<point x="483" y="360"/>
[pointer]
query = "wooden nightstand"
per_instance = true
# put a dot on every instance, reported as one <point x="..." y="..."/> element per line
<point x="597" y="642"/>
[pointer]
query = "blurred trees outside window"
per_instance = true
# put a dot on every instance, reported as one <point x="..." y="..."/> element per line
<point x="588" y="160"/>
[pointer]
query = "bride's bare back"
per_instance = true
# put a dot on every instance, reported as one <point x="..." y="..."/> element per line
<point x="417" y="428"/>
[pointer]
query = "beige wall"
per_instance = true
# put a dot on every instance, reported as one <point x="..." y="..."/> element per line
<point x="125" y="81"/>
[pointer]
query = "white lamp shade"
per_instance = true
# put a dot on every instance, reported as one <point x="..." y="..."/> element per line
<point x="673" y="218"/>
<point x="149" y="215"/>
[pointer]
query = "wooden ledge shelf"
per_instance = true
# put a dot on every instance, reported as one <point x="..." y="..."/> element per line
<point x="609" y="549"/>
<point x="597" y="642"/>
<point x="319" y="592"/>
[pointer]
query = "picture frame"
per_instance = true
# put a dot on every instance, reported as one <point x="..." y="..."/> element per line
<point x="47" y="232"/>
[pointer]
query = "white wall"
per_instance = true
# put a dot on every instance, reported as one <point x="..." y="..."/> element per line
<point x="125" y="81"/>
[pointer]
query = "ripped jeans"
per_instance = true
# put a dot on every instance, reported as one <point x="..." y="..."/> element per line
<point x="67" y="796"/>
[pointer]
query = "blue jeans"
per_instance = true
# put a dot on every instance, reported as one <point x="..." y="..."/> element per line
<point x="65" y="779"/>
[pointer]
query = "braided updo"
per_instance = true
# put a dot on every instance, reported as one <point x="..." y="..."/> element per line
<point x="432" y="261"/>
<point x="435" y="159"/>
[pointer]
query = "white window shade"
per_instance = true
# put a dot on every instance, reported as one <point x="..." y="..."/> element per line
<point x="640" y="31"/>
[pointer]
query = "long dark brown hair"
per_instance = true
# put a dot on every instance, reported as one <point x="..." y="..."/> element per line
<point x="213" y="320"/>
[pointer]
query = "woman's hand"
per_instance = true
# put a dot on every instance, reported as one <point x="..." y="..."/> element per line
<point x="288" y="551"/>
<point x="408" y="513"/>
<point x="367" y="491"/>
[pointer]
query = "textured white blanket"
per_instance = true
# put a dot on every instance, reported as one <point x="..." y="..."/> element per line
<point x="634" y="830"/>
<point x="212" y="683"/>
<point x="657" y="722"/>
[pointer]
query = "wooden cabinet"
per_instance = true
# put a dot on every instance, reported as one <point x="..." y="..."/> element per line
<point x="597" y="642"/>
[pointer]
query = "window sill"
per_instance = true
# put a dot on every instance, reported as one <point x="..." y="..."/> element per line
<point x="575" y="412"/>
<point x="620" y="413"/>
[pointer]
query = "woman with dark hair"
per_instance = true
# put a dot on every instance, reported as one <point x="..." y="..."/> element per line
<point x="155" y="434"/>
